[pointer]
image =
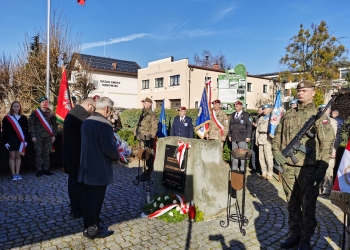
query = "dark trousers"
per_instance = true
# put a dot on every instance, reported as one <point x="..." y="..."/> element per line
<point x="93" y="197"/>
<point x="75" y="193"/>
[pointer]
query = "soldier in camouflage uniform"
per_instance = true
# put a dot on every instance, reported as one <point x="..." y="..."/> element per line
<point x="43" y="137"/>
<point x="218" y="125"/>
<point x="301" y="180"/>
<point x="328" y="179"/>
<point x="146" y="130"/>
<point x="263" y="141"/>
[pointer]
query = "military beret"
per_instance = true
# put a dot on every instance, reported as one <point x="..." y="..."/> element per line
<point x="182" y="108"/>
<point x="293" y="101"/>
<point x="322" y="106"/>
<point x="216" y="101"/>
<point x="305" y="84"/>
<point x="147" y="100"/>
<point x="95" y="97"/>
<point x="266" y="106"/>
<point x="238" y="103"/>
<point x="43" y="98"/>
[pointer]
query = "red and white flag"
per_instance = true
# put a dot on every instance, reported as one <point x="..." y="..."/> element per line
<point x="342" y="181"/>
<point x="208" y="83"/>
<point x="82" y="2"/>
<point x="64" y="102"/>
<point x="181" y="152"/>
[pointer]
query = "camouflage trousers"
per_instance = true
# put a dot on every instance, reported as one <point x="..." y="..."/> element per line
<point x="328" y="179"/>
<point x="266" y="159"/>
<point x="42" y="148"/>
<point x="301" y="196"/>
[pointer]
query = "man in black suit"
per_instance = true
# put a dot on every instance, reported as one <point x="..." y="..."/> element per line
<point x="240" y="132"/>
<point x="71" y="151"/>
<point x="182" y="125"/>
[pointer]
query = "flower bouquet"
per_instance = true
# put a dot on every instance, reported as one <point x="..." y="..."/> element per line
<point x="123" y="148"/>
<point x="170" y="208"/>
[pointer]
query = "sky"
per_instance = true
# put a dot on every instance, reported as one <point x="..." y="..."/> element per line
<point x="252" y="32"/>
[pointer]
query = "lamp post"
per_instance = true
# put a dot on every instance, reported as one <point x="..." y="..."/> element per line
<point x="48" y="52"/>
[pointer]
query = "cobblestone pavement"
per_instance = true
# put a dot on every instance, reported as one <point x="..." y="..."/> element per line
<point x="34" y="214"/>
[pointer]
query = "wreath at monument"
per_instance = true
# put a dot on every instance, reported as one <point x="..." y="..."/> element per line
<point x="170" y="208"/>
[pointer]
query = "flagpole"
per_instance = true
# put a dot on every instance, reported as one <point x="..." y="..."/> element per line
<point x="48" y="52"/>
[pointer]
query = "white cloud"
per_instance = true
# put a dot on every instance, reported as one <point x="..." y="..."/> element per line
<point x="113" y="41"/>
<point x="198" y="32"/>
<point x="224" y="12"/>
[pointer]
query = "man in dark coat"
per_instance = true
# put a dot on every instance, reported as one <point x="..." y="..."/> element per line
<point x="182" y="125"/>
<point x="98" y="150"/>
<point x="71" y="151"/>
<point x="240" y="132"/>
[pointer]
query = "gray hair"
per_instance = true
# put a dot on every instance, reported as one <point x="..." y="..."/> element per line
<point x="103" y="102"/>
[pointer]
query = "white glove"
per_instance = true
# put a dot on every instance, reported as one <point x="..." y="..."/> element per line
<point x="7" y="146"/>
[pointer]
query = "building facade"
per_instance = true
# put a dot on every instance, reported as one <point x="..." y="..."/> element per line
<point x="179" y="83"/>
<point x="113" y="78"/>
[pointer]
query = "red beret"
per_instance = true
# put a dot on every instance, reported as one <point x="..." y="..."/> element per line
<point x="182" y="108"/>
<point x="238" y="103"/>
<point x="96" y="97"/>
<point x="216" y="101"/>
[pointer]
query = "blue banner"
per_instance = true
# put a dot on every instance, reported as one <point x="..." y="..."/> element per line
<point x="276" y="114"/>
<point x="202" y="126"/>
<point x="162" y="130"/>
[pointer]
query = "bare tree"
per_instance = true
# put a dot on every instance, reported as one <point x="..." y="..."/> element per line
<point x="206" y="59"/>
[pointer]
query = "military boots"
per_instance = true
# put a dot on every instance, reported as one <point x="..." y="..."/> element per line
<point x="290" y="240"/>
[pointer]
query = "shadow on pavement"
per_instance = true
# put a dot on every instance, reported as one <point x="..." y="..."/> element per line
<point x="233" y="243"/>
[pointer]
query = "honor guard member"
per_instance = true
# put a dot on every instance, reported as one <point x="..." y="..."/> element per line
<point x="43" y="130"/>
<point x="240" y="132"/>
<point x="263" y="141"/>
<point x="255" y="148"/>
<point x="301" y="180"/>
<point x="293" y="103"/>
<point x="146" y="130"/>
<point x="182" y="125"/>
<point x="218" y="123"/>
<point x="328" y="179"/>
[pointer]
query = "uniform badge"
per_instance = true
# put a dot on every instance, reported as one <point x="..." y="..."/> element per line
<point x="325" y="122"/>
<point x="242" y="121"/>
<point x="185" y="124"/>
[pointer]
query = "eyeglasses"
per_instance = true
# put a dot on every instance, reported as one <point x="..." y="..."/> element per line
<point x="93" y="106"/>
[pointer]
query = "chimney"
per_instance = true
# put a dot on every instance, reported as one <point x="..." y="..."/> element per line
<point x="114" y="65"/>
<point x="216" y="65"/>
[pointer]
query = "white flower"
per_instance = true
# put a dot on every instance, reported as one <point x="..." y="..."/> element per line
<point x="158" y="199"/>
<point x="166" y="197"/>
<point x="161" y="205"/>
<point x="174" y="201"/>
<point x="177" y="208"/>
<point x="155" y="204"/>
<point x="181" y="212"/>
<point x="171" y="214"/>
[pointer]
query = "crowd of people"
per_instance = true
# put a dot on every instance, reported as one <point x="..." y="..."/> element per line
<point x="89" y="148"/>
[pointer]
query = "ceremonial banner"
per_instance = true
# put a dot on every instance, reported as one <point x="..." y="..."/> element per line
<point x="342" y="181"/>
<point x="162" y="130"/>
<point x="202" y="126"/>
<point x="64" y="102"/>
<point x="82" y="2"/>
<point x="276" y="114"/>
<point x="208" y="83"/>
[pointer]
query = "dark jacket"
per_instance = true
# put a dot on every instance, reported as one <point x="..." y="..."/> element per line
<point x="98" y="149"/>
<point x="72" y="139"/>
<point x="183" y="129"/>
<point x="9" y="131"/>
<point x="240" y="128"/>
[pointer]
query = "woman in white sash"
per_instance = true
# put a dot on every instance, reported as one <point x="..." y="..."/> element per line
<point x="14" y="135"/>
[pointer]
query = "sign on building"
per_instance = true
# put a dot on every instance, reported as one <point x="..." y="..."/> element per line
<point x="232" y="87"/>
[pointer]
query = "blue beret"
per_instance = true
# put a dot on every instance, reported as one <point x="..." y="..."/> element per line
<point x="293" y="101"/>
<point x="266" y="106"/>
<point x="322" y="106"/>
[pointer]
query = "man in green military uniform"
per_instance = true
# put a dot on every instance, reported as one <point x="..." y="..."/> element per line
<point x="218" y="123"/>
<point x="301" y="180"/>
<point x="146" y="130"/>
<point x="43" y="130"/>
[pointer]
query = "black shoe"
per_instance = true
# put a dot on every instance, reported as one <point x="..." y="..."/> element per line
<point x="290" y="241"/>
<point x="97" y="233"/>
<point x="39" y="173"/>
<point x="304" y="245"/>
<point x="47" y="172"/>
<point x="253" y="170"/>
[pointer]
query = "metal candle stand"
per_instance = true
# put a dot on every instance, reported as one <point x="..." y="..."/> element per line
<point x="144" y="154"/>
<point x="239" y="216"/>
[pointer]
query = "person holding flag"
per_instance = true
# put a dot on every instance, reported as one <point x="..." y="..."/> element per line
<point x="218" y="123"/>
<point x="15" y="137"/>
<point x="43" y="130"/>
<point x="203" y="119"/>
<point x="182" y="125"/>
<point x="240" y="132"/>
<point x="301" y="179"/>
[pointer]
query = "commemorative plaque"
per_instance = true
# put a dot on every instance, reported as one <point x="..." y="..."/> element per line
<point x="173" y="176"/>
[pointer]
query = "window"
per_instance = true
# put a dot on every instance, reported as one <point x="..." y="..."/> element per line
<point x="249" y="87"/>
<point x="159" y="82"/>
<point x="145" y="84"/>
<point x="175" y="80"/>
<point x="264" y="88"/>
<point x="196" y="104"/>
<point x="343" y="74"/>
